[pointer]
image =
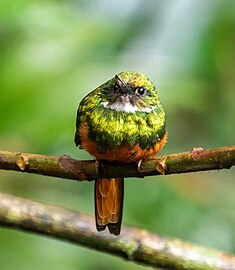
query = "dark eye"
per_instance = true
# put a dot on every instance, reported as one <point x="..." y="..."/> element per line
<point x="140" y="91"/>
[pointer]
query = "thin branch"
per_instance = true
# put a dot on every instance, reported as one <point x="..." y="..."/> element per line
<point x="133" y="244"/>
<point x="67" y="167"/>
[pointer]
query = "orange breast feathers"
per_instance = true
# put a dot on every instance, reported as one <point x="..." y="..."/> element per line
<point x="124" y="154"/>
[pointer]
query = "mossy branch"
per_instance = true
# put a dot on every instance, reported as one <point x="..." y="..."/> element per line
<point x="133" y="244"/>
<point x="69" y="168"/>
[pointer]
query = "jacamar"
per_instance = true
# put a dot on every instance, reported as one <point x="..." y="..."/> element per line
<point x="121" y="120"/>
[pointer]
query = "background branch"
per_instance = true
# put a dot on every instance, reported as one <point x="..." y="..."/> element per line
<point x="69" y="168"/>
<point x="133" y="244"/>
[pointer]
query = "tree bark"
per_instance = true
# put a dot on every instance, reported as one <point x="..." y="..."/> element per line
<point x="133" y="244"/>
<point x="69" y="168"/>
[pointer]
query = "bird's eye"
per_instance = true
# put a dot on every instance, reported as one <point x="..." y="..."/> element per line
<point x="140" y="91"/>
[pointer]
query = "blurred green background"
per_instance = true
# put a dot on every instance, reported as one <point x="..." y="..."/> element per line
<point x="52" y="53"/>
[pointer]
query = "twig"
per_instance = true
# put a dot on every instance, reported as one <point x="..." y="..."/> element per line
<point x="133" y="244"/>
<point x="67" y="167"/>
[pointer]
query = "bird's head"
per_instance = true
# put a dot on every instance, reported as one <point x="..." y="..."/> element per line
<point x="130" y="92"/>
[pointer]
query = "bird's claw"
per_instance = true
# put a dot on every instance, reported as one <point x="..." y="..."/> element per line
<point x="139" y="165"/>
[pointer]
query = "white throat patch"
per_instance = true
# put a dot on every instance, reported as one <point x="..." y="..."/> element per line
<point x="126" y="107"/>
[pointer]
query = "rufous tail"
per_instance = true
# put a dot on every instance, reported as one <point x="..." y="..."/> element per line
<point x="109" y="204"/>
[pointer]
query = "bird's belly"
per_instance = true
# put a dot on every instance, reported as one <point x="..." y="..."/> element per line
<point x="120" y="153"/>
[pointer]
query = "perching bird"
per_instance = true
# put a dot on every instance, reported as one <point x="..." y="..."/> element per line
<point x="121" y="120"/>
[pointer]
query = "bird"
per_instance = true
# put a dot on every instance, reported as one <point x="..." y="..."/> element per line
<point x="123" y="121"/>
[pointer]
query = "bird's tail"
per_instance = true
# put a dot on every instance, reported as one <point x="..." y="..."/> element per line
<point x="109" y="204"/>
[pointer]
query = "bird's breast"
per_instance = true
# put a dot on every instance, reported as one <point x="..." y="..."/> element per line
<point x="121" y="153"/>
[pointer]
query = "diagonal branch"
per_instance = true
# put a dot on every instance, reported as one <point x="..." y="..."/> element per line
<point x="133" y="244"/>
<point x="67" y="167"/>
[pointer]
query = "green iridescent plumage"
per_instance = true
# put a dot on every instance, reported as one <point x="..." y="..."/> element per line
<point x="123" y="111"/>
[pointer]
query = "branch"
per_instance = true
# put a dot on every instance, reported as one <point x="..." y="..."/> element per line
<point x="133" y="244"/>
<point x="69" y="168"/>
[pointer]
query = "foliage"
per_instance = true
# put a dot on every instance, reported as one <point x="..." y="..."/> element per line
<point x="54" y="52"/>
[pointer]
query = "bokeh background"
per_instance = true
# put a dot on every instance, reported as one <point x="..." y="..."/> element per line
<point x="52" y="53"/>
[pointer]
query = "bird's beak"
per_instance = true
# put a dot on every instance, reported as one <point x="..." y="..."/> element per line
<point x="124" y="88"/>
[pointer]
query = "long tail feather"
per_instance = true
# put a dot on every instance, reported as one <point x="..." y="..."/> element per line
<point x="109" y="204"/>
